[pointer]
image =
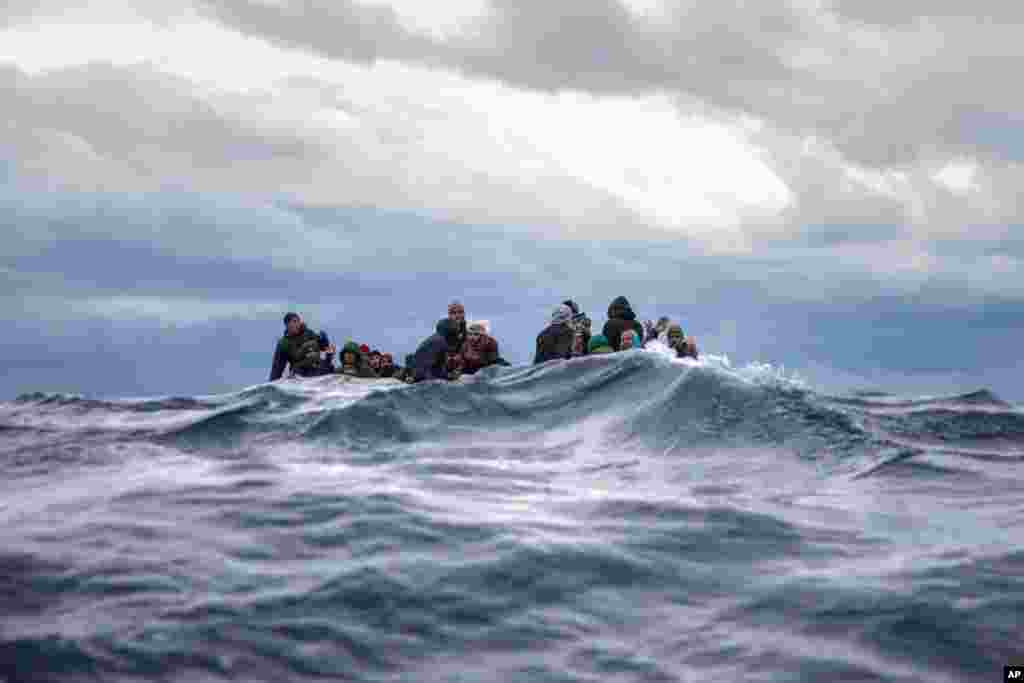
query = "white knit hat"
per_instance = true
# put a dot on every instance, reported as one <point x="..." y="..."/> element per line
<point x="562" y="314"/>
<point x="480" y="326"/>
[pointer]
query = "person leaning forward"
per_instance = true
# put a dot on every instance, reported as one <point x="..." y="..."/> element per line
<point x="300" y="348"/>
<point x="431" y="358"/>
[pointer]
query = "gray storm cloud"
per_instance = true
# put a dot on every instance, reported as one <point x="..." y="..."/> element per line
<point x="858" y="104"/>
<point x="888" y="83"/>
<point x="890" y="88"/>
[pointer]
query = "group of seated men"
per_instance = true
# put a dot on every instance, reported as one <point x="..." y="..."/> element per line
<point x="459" y="348"/>
<point x="311" y="354"/>
<point x="569" y="333"/>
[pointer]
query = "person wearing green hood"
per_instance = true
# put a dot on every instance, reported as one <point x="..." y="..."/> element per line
<point x="353" y="362"/>
<point x="307" y="353"/>
<point x="620" y="318"/>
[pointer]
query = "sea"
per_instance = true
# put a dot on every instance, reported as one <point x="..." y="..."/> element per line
<point x="621" y="518"/>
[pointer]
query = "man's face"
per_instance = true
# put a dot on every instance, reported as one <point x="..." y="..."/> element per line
<point x="457" y="314"/>
<point x="674" y="337"/>
<point x="386" y="361"/>
<point x="627" y="340"/>
<point x="294" y="325"/>
<point x="375" y="362"/>
<point x="474" y="338"/>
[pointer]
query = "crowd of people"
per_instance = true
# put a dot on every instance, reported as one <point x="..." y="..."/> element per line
<point x="458" y="347"/>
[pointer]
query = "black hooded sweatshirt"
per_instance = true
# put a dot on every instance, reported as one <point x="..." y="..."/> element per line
<point x="620" y="318"/>
<point x="431" y="358"/>
<point x="459" y="334"/>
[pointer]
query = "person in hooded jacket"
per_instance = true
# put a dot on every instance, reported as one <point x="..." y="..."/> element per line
<point x="685" y="347"/>
<point x="431" y="360"/>
<point x="620" y="317"/>
<point x="308" y="353"/>
<point x="354" y="363"/>
<point x="555" y="342"/>
<point x="480" y="349"/>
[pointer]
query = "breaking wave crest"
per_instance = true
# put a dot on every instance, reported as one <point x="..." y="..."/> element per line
<point x="628" y="517"/>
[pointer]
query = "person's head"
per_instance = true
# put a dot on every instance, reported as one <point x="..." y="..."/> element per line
<point x="386" y="361"/>
<point x="627" y="339"/>
<point x="350" y="354"/>
<point x="456" y="312"/>
<point x="292" y="323"/>
<point x="475" y="333"/>
<point x="620" y="308"/>
<point x="374" y="359"/>
<point x="662" y="324"/>
<point x="573" y="306"/>
<point x="561" y="315"/>
<point x="675" y="334"/>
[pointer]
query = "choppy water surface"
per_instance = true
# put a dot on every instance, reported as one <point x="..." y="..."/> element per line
<point x="622" y="518"/>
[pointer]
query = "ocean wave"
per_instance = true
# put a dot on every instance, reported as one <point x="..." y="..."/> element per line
<point x="632" y="517"/>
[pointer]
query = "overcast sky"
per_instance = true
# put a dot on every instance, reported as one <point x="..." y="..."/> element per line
<point x="833" y="186"/>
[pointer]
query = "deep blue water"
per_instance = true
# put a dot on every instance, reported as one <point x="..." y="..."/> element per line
<point x="617" y="518"/>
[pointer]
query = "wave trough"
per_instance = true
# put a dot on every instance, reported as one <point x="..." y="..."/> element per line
<point x="619" y="518"/>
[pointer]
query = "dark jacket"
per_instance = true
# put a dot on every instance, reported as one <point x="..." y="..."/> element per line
<point x="620" y="318"/>
<point x="480" y="354"/>
<point x="554" y="343"/>
<point x="302" y="353"/>
<point x="459" y="335"/>
<point x="431" y="358"/>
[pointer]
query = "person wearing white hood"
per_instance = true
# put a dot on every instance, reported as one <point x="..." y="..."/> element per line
<point x="555" y="342"/>
<point x="480" y="349"/>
